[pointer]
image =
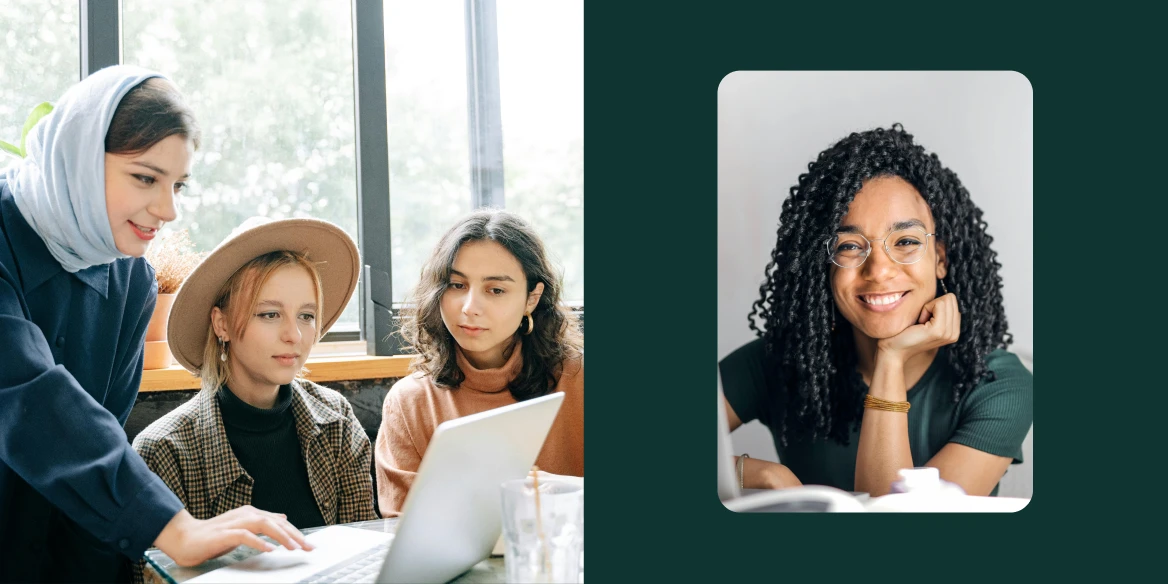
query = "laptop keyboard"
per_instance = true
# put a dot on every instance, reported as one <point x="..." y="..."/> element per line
<point x="362" y="568"/>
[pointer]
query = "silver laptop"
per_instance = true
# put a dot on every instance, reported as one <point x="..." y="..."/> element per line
<point x="810" y="498"/>
<point x="453" y="514"/>
<point x="451" y="518"/>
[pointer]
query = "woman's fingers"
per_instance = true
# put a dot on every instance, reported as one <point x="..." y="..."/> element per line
<point x="280" y="530"/>
<point x="214" y="541"/>
<point x="296" y="535"/>
<point x="273" y="525"/>
<point x="244" y="537"/>
<point x="926" y="314"/>
<point x="948" y="318"/>
<point x="243" y="526"/>
<point x="281" y="522"/>
<point x="942" y="318"/>
<point x="938" y="324"/>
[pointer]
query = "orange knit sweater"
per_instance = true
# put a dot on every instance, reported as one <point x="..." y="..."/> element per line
<point x="414" y="407"/>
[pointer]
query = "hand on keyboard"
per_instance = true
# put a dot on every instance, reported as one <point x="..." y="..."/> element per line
<point x="189" y="541"/>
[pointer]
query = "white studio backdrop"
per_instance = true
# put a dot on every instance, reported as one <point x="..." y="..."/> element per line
<point x="771" y="124"/>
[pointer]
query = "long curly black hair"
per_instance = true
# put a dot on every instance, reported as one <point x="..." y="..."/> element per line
<point x="820" y="383"/>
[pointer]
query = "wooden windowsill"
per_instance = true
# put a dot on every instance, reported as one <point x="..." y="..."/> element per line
<point x="322" y="369"/>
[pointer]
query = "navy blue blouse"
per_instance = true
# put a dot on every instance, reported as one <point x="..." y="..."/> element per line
<point x="73" y="493"/>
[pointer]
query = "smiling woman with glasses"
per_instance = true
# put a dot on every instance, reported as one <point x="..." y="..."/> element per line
<point x="881" y="329"/>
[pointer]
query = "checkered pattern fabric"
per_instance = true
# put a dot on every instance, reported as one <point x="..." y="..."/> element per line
<point x="188" y="449"/>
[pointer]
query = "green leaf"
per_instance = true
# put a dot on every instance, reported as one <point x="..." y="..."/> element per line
<point x="38" y="112"/>
<point x="9" y="148"/>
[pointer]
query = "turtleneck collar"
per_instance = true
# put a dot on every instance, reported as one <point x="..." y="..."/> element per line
<point x="238" y="413"/>
<point x="490" y="380"/>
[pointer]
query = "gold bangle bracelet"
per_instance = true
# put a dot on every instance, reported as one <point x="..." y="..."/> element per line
<point x="741" y="468"/>
<point x="876" y="403"/>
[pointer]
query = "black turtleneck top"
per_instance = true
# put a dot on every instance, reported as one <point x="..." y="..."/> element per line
<point x="266" y="445"/>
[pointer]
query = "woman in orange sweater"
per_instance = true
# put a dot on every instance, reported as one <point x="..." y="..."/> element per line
<point x="489" y="330"/>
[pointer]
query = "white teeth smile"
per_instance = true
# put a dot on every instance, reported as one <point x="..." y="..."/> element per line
<point x="883" y="298"/>
<point x="144" y="229"/>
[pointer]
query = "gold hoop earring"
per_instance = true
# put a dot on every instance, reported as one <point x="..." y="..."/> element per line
<point x="530" y="324"/>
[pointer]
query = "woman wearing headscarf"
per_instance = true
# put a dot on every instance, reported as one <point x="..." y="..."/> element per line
<point x="76" y="216"/>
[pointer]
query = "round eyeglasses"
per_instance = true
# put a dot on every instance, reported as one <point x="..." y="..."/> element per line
<point x="904" y="246"/>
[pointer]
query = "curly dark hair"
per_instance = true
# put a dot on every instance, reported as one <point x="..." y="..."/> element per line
<point x="555" y="338"/>
<point x="816" y="366"/>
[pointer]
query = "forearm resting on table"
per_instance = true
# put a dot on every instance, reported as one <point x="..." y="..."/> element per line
<point x="883" y="451"/>
<point x="883" y="446"/>
<point x="763" y="474"/>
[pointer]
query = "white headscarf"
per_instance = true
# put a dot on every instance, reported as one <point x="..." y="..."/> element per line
<point x="59" y="186"/>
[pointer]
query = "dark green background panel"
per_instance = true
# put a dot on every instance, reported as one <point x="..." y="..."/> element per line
<point x="652" y="75"/>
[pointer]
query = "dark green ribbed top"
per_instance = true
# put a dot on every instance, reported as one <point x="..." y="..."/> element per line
<point x="993" y="418"/>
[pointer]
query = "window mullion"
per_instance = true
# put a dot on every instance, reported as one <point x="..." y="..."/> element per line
<point x="372" y="131"/>
<point x="485" y="118"/>
<point x="100" y="34"/>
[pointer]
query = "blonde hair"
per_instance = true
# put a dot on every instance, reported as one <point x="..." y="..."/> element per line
<point x="246" y="283"/>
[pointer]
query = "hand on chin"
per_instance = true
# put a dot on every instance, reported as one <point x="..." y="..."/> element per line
<point x="939" y="324"/>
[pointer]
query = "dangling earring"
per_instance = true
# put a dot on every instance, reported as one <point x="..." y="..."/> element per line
<point x="833" y="319"/>
<point x="943" y="288"/>
<point x="222" y="350"/>
<point x="530" y="324"/>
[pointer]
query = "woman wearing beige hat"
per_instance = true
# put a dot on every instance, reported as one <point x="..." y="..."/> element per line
<point x="258" y="433"/>
<point x="489" y="330"/>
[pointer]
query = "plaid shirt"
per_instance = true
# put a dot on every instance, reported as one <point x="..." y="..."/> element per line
<point x="188" y="449"/>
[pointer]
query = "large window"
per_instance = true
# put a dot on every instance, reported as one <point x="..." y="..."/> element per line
<point x="272" y="86"/>
<point x="479" y="105"/>
<point x="429" y="164"/>
<point x="538" y="62"/>
<point x="541" y="70"/>
<point x="41" y="59"/>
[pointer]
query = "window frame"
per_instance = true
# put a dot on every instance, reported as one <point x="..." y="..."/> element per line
<point x="379" y="317"/>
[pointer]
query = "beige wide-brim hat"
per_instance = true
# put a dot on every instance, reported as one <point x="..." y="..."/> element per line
<point x="326" y="245"/>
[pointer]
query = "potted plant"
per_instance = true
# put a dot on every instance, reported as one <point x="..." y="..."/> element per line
<point x="41" y="110"/>
<point x="173" y="256"/>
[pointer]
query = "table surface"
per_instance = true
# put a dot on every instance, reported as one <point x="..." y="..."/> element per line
<point x="161" y="569"/>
